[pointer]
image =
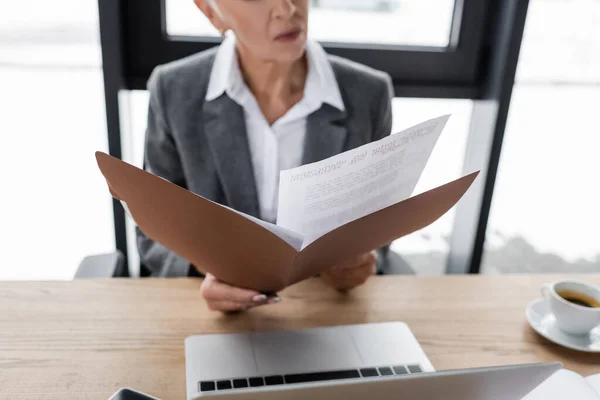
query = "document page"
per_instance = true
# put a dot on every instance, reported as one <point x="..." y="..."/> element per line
<point x="319" y="197"/>
<point x="563" y="385"/>
<point x="594" y="382"/>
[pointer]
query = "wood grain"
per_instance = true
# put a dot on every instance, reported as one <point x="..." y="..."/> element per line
<point x="86" y="339"/>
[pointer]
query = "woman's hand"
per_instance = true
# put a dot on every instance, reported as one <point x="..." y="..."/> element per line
<point x="352" y="273"/>
<point x="220" y="296"/>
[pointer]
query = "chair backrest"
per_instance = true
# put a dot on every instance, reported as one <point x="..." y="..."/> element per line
<point x="110" y="265"/>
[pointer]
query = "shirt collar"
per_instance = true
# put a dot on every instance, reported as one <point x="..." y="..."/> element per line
<point x="321" y="85"/>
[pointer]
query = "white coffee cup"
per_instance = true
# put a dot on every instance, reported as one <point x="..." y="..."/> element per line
<point x="570" y="317"/>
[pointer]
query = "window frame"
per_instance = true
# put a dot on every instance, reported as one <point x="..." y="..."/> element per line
<point x="479" y="64"/>
<point x="416" y="71"/>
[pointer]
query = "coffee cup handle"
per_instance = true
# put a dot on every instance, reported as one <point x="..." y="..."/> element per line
<point x="546" y="291"/>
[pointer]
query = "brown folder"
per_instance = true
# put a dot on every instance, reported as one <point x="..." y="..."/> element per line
<point x="242" y="253"/>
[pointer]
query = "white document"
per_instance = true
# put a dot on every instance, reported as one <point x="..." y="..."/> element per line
<point x="567" y="385"/>
<point x="594" y="382"/>
<point x="319" y="197"/>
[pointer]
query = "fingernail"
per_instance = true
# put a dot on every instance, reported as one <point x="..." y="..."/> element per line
<point x="259" y="298"/>
<point x="274" y="300"/>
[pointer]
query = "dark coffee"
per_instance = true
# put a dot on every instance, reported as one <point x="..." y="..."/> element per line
<point x="580" y="299"/>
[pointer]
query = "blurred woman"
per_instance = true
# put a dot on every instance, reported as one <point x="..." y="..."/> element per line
<point x="223" y="123"/>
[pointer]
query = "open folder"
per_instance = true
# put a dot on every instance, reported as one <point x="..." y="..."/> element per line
<point x="567" y="385"/>
<point x="329" y="211"/>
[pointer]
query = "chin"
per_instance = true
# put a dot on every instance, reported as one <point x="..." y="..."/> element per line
<point x="289" y="52"/>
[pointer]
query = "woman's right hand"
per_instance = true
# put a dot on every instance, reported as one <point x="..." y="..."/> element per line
<point x="222" y="297"/>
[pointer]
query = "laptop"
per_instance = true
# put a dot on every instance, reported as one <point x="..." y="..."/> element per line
<point x="377" y="360"/>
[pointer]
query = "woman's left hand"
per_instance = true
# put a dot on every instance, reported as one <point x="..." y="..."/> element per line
<point x="352" y="273"/>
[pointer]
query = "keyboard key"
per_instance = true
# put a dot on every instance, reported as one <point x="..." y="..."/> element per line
<point x="274" y="380"/>
<point x="255" y="382"/>
<point x="240" y="383"/>
<point x="223" y="385"/>
<point x="385" y="371"/>
<point x="368" y="372"/>
<point x="322" y="376"/>
<point x="414" y="369"/>
<point x="207" y="386"/>
<point x="400" y="370"/>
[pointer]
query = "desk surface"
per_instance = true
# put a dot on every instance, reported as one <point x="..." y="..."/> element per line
<point x="86" y="339"/>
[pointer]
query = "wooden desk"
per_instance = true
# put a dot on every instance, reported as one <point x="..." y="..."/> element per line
<point x="85" y="339"/>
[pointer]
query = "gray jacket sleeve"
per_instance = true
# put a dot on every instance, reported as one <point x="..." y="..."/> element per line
<point x="160" y="158"/>
<point x="383" y="123"/>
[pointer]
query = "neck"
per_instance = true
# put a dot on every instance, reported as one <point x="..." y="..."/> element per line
<point x="273" y="82"/>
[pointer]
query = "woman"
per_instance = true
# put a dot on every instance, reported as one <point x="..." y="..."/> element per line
<point x="224" y="122"/>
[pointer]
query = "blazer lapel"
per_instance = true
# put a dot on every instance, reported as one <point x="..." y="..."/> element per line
<point x="325" y="134"/>
<point x="225" y="129"/>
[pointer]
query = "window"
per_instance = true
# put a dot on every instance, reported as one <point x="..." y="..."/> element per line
<point x="392" y="22"/>
<point x="431" y="53"/>
<point x="544" y="215"/>
<point x="57" y="210"/>
<point x="426" y="251"/>
<point x="61" y="33"/>
<point x="458" y="52"/>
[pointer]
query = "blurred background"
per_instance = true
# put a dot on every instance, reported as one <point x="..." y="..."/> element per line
<point x="545" y="210"/>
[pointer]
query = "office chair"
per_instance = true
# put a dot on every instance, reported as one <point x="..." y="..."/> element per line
<point x="110" y="265"/>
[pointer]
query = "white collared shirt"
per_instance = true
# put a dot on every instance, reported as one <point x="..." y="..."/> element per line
<point x="279" y="146"/>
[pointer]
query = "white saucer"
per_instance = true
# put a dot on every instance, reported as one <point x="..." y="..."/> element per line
<point x="543" y="322"/>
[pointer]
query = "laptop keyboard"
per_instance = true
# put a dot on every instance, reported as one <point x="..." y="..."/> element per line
<point x="210" y="386"/>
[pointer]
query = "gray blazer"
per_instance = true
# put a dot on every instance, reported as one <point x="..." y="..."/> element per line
<point x="202" y="146"/>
